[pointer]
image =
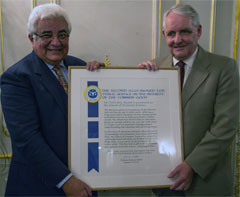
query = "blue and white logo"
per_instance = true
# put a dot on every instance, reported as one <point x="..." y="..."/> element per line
<point x="92" y="94"/>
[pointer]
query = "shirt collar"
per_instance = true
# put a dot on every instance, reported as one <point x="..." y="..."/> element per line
<point x="189" y="61"/>
<point x="51" y="66"/>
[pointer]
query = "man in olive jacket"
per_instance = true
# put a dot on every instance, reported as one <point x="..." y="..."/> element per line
<point x="210" y="104"/>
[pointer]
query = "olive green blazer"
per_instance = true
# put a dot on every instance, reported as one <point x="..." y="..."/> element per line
<point x="210" y="109"/>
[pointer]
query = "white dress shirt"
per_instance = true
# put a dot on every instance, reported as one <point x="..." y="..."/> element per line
<point x="188" y="64"/>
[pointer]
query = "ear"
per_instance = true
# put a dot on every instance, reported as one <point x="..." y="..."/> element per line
<point x="30" y="37"/>
<point x="199" y="31"/>
<point x="164" y="34"/>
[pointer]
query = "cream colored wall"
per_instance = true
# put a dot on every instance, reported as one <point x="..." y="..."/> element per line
<point x="128" y="31"/>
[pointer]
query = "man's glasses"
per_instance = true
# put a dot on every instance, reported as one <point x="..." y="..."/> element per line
<point x="49" y="36"/>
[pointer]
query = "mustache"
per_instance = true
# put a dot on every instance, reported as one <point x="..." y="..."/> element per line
<point x="178" y="45"/>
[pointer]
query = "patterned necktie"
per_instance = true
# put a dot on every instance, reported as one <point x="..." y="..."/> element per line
<point x="60" y="77"/>
<point x="181" y="65"/>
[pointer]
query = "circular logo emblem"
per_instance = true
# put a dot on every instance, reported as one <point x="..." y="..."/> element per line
<point x="92" y="94"/>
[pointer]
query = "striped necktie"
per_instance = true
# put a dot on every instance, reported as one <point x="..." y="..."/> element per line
<point x="181" y="65"/>
<point x="62" y="81"/>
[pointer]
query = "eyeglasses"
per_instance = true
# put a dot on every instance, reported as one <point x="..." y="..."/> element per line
<point x="49" y="36"/>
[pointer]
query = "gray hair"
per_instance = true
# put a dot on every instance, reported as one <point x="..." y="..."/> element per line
<point x="184" y="10"/>
<point x="46" y="11"/>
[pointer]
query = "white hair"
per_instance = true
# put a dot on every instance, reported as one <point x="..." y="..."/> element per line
<point x="46" y="11"/>
<point x="184" y="10"/>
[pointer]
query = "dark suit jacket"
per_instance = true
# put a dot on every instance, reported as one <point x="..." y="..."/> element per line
<point x="35" y="109"/>
<point x="210" y="104"/>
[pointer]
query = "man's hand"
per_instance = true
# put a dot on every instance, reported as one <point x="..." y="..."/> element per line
<point x="94" y="65"/>
<point x="184" y="175"/>
<point x="75" y="187"/>
<point x="148" y="65"/>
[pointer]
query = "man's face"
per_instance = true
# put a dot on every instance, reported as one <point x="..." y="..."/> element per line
<point x="181" y="36"/>
<point x="51" y="43"/>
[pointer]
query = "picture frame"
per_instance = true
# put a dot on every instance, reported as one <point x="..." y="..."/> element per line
<point x="125" y="126"/>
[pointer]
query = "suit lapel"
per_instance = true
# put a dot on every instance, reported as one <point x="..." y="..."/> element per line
<point x="197" y="76"/>
<point x="51" y="84"/>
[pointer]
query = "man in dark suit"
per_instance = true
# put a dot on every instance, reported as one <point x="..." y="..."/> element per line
<point x="34" y="102"/>
<point x="210" y="104"/>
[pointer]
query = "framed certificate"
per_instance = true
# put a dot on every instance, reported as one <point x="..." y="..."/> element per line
<point x="125" y="126"/>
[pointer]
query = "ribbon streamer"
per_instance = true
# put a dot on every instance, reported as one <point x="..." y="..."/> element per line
<point x="93" y="156"/>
